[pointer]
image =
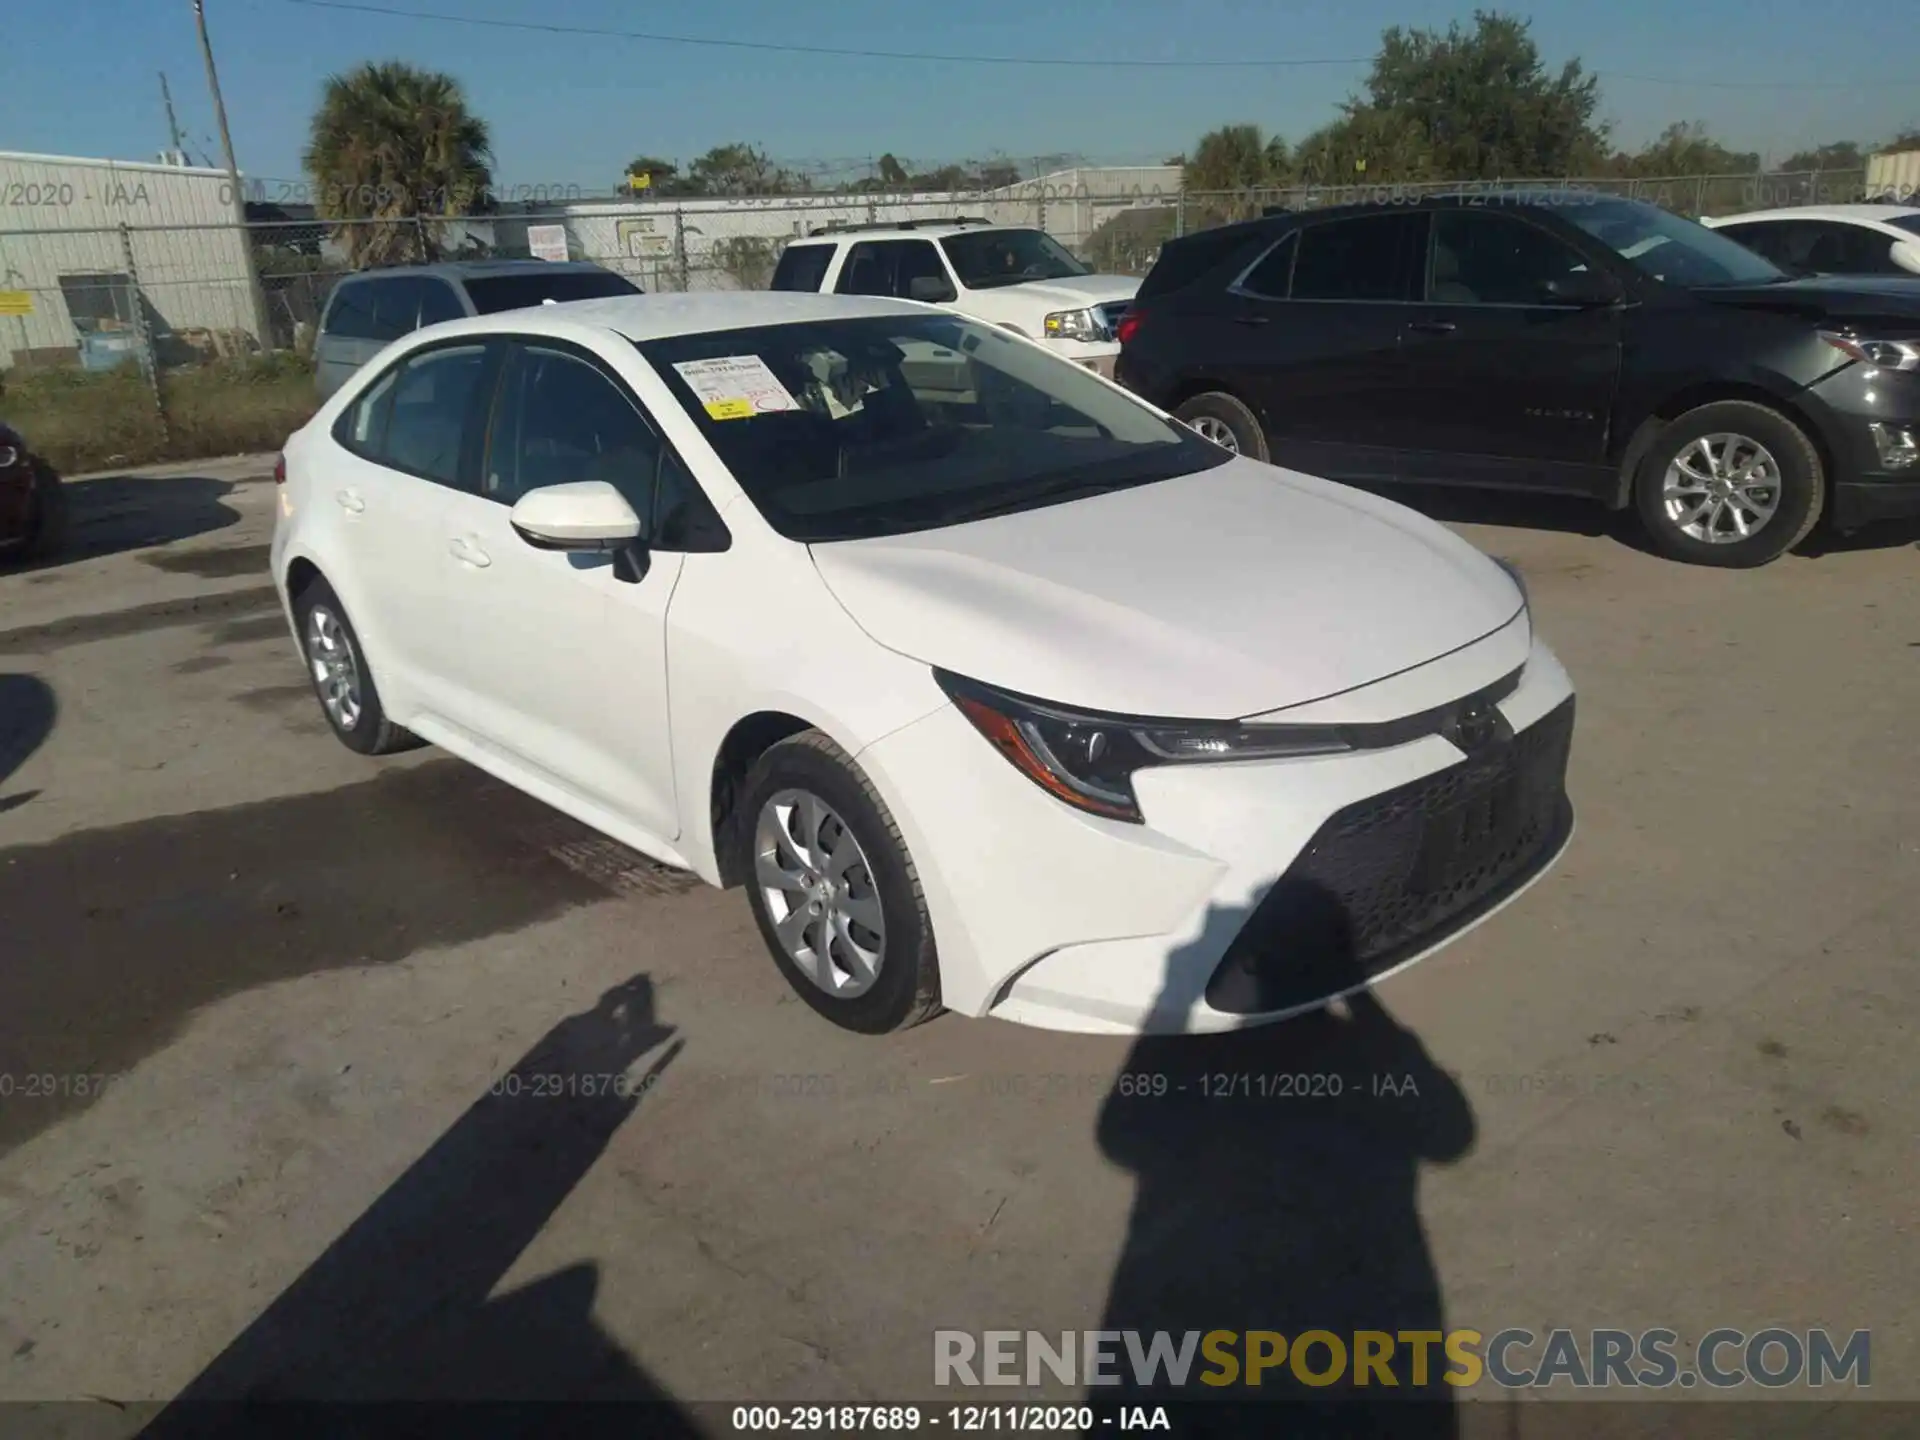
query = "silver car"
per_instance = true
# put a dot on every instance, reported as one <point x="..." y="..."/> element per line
<point x="369" y="310"/>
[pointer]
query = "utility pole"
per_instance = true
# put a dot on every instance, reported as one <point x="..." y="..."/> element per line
<point x="256" y="294"/>
<point x="178" y="145"/>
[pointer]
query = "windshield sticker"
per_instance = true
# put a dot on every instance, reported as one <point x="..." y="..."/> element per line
<point x="736" y="387"/>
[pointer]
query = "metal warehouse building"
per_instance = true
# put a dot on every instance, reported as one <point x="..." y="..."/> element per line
<point x="81" y="259"/>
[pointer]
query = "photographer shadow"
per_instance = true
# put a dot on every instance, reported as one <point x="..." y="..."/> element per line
<point x="1277" y="1190"/>
<point x="395" y="1328"/>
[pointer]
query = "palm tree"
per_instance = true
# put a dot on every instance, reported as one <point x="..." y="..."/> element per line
<point x="393" y="151"/>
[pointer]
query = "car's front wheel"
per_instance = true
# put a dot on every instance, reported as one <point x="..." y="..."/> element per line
<point x="834" y="890"/>
<point x="337" y="666"/>
<point x="1733" y="483"/>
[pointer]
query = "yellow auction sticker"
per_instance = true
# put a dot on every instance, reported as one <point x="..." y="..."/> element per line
<point x="741" y="409"/>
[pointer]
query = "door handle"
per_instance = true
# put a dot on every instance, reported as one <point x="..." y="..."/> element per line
<point x="468" y="554"/>
<point x="351" y="502"/>
<point x="1434" y="327"/>
<point x="1250" y="319"/>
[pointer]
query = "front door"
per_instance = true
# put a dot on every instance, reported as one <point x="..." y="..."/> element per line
<point x="559" y="663"/>
<point x="1504" y="383"/>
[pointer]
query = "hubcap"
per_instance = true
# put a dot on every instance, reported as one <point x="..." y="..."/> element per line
<point x="1208" y="428"/>
<point x="336" y="669"/>
<point x="819" y="893"/>
<point x="1722" y="489"/>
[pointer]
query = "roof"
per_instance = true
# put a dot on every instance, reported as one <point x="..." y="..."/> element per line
<point x="660" y="316"/>
<point x="192" y="172"/>
<point x="897" y="229"/>
<point x="1868" y="213"/>
<point x="473" y="269"/>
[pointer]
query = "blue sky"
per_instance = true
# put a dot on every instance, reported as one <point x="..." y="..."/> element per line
<point x="569" y="110"/>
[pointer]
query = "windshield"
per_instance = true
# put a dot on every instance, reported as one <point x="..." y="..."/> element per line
<point x="886" y="425"/>
<point x="492" y="293"/>
<point x="984" y="259"/>
<point x="1670" y="247"/>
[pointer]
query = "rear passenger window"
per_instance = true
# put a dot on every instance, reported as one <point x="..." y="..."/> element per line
<point x="1270" y="278"/>
<point x="439" y="303"/>
<point x="802" y="267"/>
<point x="364" y="427"/>
<point x="1186" y="259"/>
<point x="396" y="307"/>
<point x="350" y="316"/>
<point x="428" y="419"/>
<point x="1365" y="258"/>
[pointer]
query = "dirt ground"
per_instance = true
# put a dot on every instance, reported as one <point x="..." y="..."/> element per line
<point x="303" y="1057"/>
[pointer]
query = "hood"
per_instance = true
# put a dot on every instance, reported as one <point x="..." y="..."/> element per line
<point x="1232" y="592"/>
<point x="1074" y="291"/>
<point x="1827" y="297"/>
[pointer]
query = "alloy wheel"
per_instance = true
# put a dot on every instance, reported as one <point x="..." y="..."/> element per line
<point x="335" y="667"/>
<point x="1722" y="489"/>
<point x="1207" y="427"/>
<point x="819" y="892"/>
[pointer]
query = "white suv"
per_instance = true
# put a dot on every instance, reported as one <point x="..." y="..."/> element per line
<point x="1016" y="277"/>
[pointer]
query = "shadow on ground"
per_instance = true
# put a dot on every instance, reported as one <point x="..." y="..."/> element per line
<point x="114" y="513"/>
<point x="402" y="1307"/>
<point x="27" y="714"/>
<point x="1277" y="1173"/>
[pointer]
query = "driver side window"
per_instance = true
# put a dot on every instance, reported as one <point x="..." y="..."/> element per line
<point x="558" y="419"/>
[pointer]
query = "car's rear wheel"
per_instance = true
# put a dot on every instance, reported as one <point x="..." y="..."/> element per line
<point x="834" y="891"/>
<point x="337" y="666"/>
<point x="47" y="528"/>
<point x="1223" y="419"/>
<point x="1733" y="484"/>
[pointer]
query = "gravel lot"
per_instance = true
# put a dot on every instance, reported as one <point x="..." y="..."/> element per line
<point x="266" y="985"/>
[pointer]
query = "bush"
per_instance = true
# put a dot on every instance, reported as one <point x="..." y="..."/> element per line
<point x="84" y="420"/>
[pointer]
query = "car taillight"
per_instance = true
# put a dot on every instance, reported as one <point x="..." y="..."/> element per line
<point x="279" y="469"/>
<point x="1129" y="323"/>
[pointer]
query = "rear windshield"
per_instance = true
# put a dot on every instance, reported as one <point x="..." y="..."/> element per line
<point x="845" y="429"/>
<point x="493" y="293"/>
<point x="1185" y="260"/>
<point x="802" y="267"/>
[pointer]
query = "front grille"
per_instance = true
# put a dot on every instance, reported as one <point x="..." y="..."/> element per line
<point x="1390" y="875"/>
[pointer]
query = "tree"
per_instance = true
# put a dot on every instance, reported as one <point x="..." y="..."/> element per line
<point x="389" y="144"/>
<point x="1908" y="139"/>
<point x="657" y="174"/>
<point x="1476" y="105"/>
<point x="1369" y="146"/>
<point x="1686" y="148"/>
<point x="737" y="169"/>
<point x="749" y="259"/>
<point x="1235" y="157"/>
<point x="1839" y="155"/>
<point x="891" y="172"/>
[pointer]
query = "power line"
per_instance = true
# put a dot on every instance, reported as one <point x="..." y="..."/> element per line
<point x="1065" y="61"/>
<point x="1077" y="62"/>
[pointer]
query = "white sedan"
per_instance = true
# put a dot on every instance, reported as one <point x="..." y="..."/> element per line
<point x="997" y="689"/>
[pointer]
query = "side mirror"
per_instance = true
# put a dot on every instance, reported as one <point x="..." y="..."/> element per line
<point x="1906" y="254"/>
<point x="589" y="515"/>
<point x="1586" y="288"/>
<point x="931" y="289"/>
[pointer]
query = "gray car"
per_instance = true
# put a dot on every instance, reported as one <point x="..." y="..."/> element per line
<point x="369" y="310"/>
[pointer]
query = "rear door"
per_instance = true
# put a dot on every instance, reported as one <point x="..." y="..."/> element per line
<point x="1502" y="382"/>
<point x="1310" y="335"/>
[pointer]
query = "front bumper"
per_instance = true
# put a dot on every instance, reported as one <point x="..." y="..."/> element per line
<point x="1253" y="892"/>
<point x="1871" y="421"/>
<point x="1097" y="356"/>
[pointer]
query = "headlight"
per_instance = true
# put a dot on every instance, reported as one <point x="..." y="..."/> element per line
<point x="1089" y="759"/>
<point x="1075" y="325"/>
<point x="1885" y="354"/>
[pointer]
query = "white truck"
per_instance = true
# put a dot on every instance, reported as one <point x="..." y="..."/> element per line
<point x="1007" y="275"/>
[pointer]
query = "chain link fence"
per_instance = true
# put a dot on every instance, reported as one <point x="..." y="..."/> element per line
<point x="159" y="307"/>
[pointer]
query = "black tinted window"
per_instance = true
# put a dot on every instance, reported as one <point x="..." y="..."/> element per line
<point x="802" y="267"/>
<point x="431" y="402"/>
<point x="350" y="316"/>
<point x="1852" y="250"/>
<point x="1772" y="241"/>
<point x="396" y="306"/>
<point x="560" y="419"/>
<point x="1185" y="260"/>
<point x="868" y="270"/>
<point x="1271" y="277"/>
<point x="1481" y="257"/>
<point x="493" y="293"/>
<point x="1360" y="259"/>
<point x="438" y="303"/>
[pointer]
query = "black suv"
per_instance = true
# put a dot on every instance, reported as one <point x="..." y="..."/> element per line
<point x="1550" y="340"/>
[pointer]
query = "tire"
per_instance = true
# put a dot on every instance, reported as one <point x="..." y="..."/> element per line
<point x="47" y="530"/>
<point x="363" y="727"/>
<point x="1223" y="419"/>
<point x="1699" y="438"/>
<point x="904" y="988"/>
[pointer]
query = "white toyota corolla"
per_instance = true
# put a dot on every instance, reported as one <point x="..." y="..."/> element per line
<point x="997" y="689"/>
